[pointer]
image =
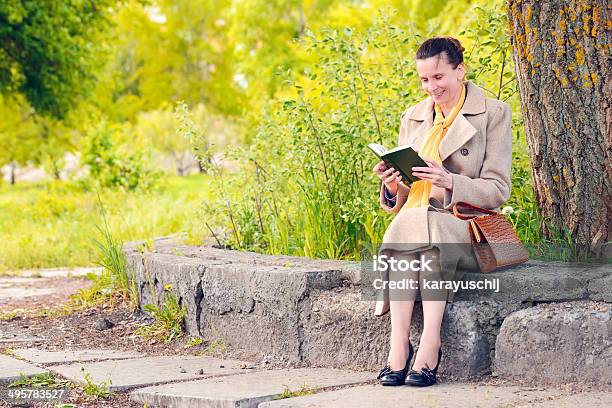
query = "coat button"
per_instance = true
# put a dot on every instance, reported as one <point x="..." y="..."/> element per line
<point x="465" y="151"/>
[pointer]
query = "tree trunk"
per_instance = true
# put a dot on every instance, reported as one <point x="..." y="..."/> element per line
<point x="13" y="166"/>
<point x="562" y="59"/>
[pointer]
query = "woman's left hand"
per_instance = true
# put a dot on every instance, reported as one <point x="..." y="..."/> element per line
<point x="436" y="174"/>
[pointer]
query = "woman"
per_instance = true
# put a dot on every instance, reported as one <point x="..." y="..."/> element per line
<point x="466" y="141"/>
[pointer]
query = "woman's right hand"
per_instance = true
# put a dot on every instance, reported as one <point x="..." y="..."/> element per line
<point x="388" y="176"/>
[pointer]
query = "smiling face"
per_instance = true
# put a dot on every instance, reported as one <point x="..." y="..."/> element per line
<point x="440" y="80"/>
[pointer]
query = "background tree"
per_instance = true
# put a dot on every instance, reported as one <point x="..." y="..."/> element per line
<point x="47" y="50"/>
<point x="562" y="59"/>
<point x="49" y="58"/>
<point x="18" y="134"/>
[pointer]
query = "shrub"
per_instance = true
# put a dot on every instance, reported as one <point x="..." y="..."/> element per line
<point x="306" y="186"/>
<point x="114" y="161"/>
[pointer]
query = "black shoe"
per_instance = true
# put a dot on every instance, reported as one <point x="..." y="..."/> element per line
<point x="426" y="376"/>
<point x="388" y="377"/>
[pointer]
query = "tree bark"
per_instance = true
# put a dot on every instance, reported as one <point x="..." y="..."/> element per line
<point x="562" y="58"/>
<point x="13" y="166"/>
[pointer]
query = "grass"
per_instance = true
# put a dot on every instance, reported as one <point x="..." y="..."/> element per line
<point x="194" y="341"/>
<point x="287" y="393"/>
<point x="40" y="380"/>
<point x="215" y="346"/>
<point x="51" y="224"/>
<point x="97" y="391"/>
<point x="118" y="279"/>
<point x="169" y="321"/>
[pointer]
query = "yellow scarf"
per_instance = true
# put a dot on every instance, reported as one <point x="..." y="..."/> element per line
<point x="421" y="189"/>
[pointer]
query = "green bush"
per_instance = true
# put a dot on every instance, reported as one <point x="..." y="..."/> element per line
<point x="115" y="161"/>
<point x="311" y="190"/>
<point x="306" y="186"/>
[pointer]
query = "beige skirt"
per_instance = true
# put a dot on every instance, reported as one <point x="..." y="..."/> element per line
<point x="421" y="235"/>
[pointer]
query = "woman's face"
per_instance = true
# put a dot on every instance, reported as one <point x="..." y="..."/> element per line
<point x="439" y="79"/>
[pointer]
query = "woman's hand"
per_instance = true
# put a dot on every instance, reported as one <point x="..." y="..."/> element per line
<point x="388" y="176"/>
<point x="436" y="174"/>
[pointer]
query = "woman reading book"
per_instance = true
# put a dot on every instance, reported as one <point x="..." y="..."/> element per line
<point x="466" y="140"/>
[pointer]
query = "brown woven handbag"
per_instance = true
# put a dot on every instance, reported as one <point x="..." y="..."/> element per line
<point x="495" y="242"/>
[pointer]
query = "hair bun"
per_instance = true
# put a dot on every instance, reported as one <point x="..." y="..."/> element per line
<point x="448" y="46"/>
<point x="457" y="44"/>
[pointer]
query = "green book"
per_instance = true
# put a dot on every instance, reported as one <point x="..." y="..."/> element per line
<point x="401" y="158"/>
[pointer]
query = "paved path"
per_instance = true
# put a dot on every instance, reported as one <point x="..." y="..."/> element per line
<point x="190" y="381"/>
<point x="40" y="289"/>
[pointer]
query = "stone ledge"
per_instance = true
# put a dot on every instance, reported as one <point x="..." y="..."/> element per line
<point x="311" y="311"/>
<point x="570" y="341"/>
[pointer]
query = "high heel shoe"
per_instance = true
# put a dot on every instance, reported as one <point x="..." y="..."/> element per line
<point x="392" y="378"/>
<point x="426" y="376"/>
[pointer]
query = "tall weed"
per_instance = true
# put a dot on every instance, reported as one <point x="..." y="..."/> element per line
<point x="118" y="279"/>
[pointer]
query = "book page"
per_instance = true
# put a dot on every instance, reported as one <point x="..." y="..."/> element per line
<point x="377" y="148"/>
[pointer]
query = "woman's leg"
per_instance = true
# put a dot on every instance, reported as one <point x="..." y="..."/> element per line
<point x="401" y="306"/>
<point x="434" y="305"/>
<point x="433" y="313"/>
<point x="401" y="316"/>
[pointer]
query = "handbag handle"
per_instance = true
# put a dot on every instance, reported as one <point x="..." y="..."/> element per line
<point x="469" y="206"/>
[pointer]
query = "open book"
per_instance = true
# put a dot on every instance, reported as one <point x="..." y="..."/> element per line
<point x="401" y="158"/>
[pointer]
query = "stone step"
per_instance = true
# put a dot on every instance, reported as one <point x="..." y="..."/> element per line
<point x="12" y="368"/>
<point x="585" y="399"/>
<point x="145" y="371"/>
<point x="454" y="395"/>
<point x="563" y="342"/>
<point x="69" y="356"/>
<point x="245" y="390"/>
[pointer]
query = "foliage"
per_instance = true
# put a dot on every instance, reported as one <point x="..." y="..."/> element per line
<point x="194" y="341"/>
<point x="287" y="393"/>
<point x="113" y="162"/>
<point x="39" y="380"/>
<point x="9" y="316"/>
<point x="169" y="319"/>
<point x="159" y="128"/>
<point x="217" y="345"/>
<point x="18" y="132"/>
<point x="48" y="51"/>
<point x="278" y="91"/>
<point x="311" y="143"/>
<point x="98" y="391"/>
<point x="117" y="280"/>
<point x="312" y="146"/>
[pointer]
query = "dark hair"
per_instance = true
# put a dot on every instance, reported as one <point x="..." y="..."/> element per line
<point x="438" y="45"/>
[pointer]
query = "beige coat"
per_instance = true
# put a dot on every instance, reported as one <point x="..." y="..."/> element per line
<point x="477" y="150"/>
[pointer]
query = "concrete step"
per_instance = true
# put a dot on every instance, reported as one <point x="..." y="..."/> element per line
<point x="145" y="371"/>
<point x="12" y="368"/>
<point x="454" y="395"/>
<point x="69" y="356"/>
<point x="245" y="390"/>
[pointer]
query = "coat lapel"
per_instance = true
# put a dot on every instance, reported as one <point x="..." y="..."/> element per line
<point x="459" y="133"/>
<point x="461" y="130"/>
